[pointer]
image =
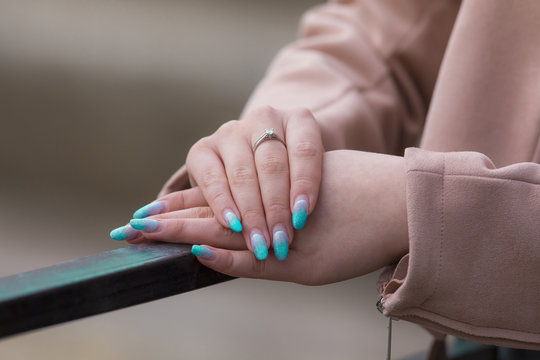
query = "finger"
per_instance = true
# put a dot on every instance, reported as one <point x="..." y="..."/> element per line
<point x="244" y="264"/>
<point x="272" y="165"/>
<point x="305" y="148"/>
<point x="125" y="232"/>
<point x="200" y="212"/>
<point x="189" y="231"/>
<point x="139" y="240"/>
<point x="174" y="201"/>
<point x="207" y="169"/>
<point x="242" y="175"/>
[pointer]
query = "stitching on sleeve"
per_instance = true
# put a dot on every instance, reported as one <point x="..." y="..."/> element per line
<point x="473" y="176"/>
<point x="441" y="238"/>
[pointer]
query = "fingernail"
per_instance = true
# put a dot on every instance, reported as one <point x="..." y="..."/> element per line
<point x="124" y="233"/>
<point x="144" y="224"/>
<point x="202" y="251"/>
<point x="280" y="245"/>
<point x="148" y="210"/>
<point x="300" y="212"/>
<point x="233" y="221"/>
<point x="259" y="246"/>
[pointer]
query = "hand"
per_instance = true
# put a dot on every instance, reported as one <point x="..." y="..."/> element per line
<point x="263" y="192"/>
<point x="359" y="225"/>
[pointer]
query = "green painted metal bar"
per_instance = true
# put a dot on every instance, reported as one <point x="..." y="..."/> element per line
<point x="99" y="283"/>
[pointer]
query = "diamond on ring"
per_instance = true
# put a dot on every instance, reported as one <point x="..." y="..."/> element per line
<point x="269" y="134"/>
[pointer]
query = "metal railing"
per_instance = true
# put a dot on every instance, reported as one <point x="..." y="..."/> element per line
<point x="99" y="283"/>
<point x="113" y="280"/>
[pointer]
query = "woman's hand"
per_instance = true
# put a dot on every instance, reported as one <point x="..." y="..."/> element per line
<point x="359" y="225"/>
<point x="264" y="191"/>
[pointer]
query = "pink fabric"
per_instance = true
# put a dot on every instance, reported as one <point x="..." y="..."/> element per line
<point x="367" y="70"/>
<point x="474" y="260"/>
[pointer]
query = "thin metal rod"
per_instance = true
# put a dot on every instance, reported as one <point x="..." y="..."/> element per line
<point x="389" y="339"/>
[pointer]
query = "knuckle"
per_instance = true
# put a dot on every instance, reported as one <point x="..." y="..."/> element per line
<point x="251" y="214"/>
<point x="203" y="212"/>
<point x="305" y="150"/>
<point x="273" y="164"/>
<point x="202" y="143"/>
<point x="302" y="113"/>
<point x="228" y="127"/>
<point x="304" y="181"/>
<point x="277" y="207"/>
<point x="181" y="199"/>
<point x="211" y="178"/>
<point x="243" y="175"/>
<point x="219" y="197"/>
<point x="264" y="111"/>
<point x="228" y="264"/>
<point x="258" y="268"/>
<point x="177" y="227"/>
<point x="213" y="182"/>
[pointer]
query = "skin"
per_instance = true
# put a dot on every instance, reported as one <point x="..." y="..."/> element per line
<point x="259" y="187"/>
<point x="359" y="225"/>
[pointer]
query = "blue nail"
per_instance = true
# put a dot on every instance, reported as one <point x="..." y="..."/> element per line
<point x="144" y="224"/>
<point x="233" y="221"/>
<point x="148" y="210"/>
<point x="259" y="246"/>
<point x="300" y="213"/>
<point x="124" y="233"/>
<point x="202" y="251"/>
<point x="281" y="245"/>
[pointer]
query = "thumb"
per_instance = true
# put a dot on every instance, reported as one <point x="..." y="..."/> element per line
<point x="243" y="263"/>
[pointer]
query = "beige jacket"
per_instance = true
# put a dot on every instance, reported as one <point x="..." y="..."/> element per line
<point x="461" y="80"/>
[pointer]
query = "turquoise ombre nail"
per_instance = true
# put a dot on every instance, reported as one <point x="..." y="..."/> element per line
<point x="202" y="251"/>
<point x="124" y="233"/>
<point x="148" y="210"/>
<point x="300" y="212"/>
<point x="281" y="245"/>
<point x="233" y="221"/>
<point x="144" y="224"/>
<point x="259" y="246"/>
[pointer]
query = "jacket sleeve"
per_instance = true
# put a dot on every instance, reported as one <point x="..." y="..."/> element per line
<point x="473" y="269"/>
<point x="365" y="68"/>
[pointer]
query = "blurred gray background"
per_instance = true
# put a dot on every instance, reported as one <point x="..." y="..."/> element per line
<point x="99" y="103"/>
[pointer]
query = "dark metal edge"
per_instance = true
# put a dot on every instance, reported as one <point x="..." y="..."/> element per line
<point x="171" y="274"/>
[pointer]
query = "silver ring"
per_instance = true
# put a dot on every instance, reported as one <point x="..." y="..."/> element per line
<point x="269" y="134"/>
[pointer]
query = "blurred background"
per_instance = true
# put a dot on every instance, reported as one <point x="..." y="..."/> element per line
<point x="99" y="103"/>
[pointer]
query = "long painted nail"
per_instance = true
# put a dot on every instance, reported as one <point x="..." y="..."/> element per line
<point x="202" y="251"/>
<point x="233" y="221"/>
<point x="148" y="210"/>
<point x="124" y="233"/>
<point x="300" y="212"/>
<point x="147" y="225"/>
<point x="281" y="245"/>
<point x="259" y="246"/>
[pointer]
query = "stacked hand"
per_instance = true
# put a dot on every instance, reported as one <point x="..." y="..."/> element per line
<point x="358" y="226"/>
<point x="259" y="176"/>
